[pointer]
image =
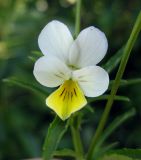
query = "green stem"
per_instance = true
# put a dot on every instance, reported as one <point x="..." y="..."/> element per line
<point x="77" y="18"/>
<point x="76" y="139"/>
<point x="75" y="129"/>
<point x="124" y="60"/>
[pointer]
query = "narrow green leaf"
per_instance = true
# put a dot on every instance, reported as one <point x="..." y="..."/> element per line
<point x="114" y="125"/>
<point x="89" y="109"/>
<point x="130" y="81"/>
<point x="26" y="85"/>
<point x="55" y="132"/>
<point x="37" y="53"/>
<point x="110" y="129"/>
<point x="104" y="149"/>
<point x="126" y="82"/>
<point x="113" y="61"/>
<point x="115" y="157"/>
<point x="133" y="153"/>
<point x="106" y="96"/>
<point x="33" y="59"/>
<point x="65" y="153"/>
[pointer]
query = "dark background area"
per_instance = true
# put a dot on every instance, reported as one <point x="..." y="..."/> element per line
<point x="24" y="117"/>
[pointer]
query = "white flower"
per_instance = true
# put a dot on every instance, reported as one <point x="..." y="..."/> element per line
<point x="71" y="64"/>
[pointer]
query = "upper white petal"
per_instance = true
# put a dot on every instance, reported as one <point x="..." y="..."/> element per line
<point x="50" y="71"/>
<point x="93" y="80"/>
<point x="89" y="48"/>
<point x="55" y="39"/>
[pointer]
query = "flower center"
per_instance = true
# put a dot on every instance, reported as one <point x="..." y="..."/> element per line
<point x="72" y="67"/>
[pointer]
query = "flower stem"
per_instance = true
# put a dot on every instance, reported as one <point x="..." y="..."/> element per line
<point x="74" y="120"/>
<point x="124" y="60"/>
<point x="77" y="18"/>
<point x="76" y="138"/>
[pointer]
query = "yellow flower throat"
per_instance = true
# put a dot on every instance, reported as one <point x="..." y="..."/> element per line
<point x="68" y="98"/>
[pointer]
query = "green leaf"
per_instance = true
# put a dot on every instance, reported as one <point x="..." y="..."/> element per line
<point x="89" y="109"/>
<point x="111" y="128"/>
<point x="26" y="85"/>
<point x="35" y="55"/>
<point x="33" y="59"/>
<point x="55" y="132"/>
<point x="115" y="157"/>
<point x="65" y="153"/>
<point x="113" y="61"/>
<point x="130" y="81"/>
<point x="133" y="153"/>
<point x="126" y="82"/>
<point x="104" y="149"/>
<point x="106" y="96"/>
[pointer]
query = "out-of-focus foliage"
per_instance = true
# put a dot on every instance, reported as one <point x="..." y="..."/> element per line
<point x="24" y="117"/>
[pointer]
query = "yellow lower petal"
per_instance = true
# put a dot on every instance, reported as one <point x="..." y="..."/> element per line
<point x="68" y="98"/>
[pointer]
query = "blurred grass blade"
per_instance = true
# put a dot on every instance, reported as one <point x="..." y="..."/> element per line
<point x="113" y="61"/>
<point x="26" y="85"/>
<point x="114" y="125"/>
<point x="106" y="96"/>
<point x="133" y="153"/>
<point x="65" y="153"/>
<point x="55" y="132"/>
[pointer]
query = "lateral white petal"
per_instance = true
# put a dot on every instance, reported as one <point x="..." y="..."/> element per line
<point x="50" y="71"/>
<point x="55" y="39"/>
<point x="93" y="80"/>
<point x="89" y="48"/>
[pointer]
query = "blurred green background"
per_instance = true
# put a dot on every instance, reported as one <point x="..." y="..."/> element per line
<point x="24" y="117"/>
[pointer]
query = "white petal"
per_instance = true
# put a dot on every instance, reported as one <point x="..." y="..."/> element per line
<point x="50" y="71"/>
<point x="89" y="48"/>
<point x="55" y="39"/>
<point x="93" y="80"/>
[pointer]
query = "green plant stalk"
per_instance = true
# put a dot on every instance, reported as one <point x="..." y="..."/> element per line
<point x="76" y="139"/>
<point x="75" y="130"/>
<point x="124" y="60"/>
<point x="77" y="18"/>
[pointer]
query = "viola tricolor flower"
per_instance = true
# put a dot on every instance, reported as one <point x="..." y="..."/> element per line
<point x="71" y="65"/>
